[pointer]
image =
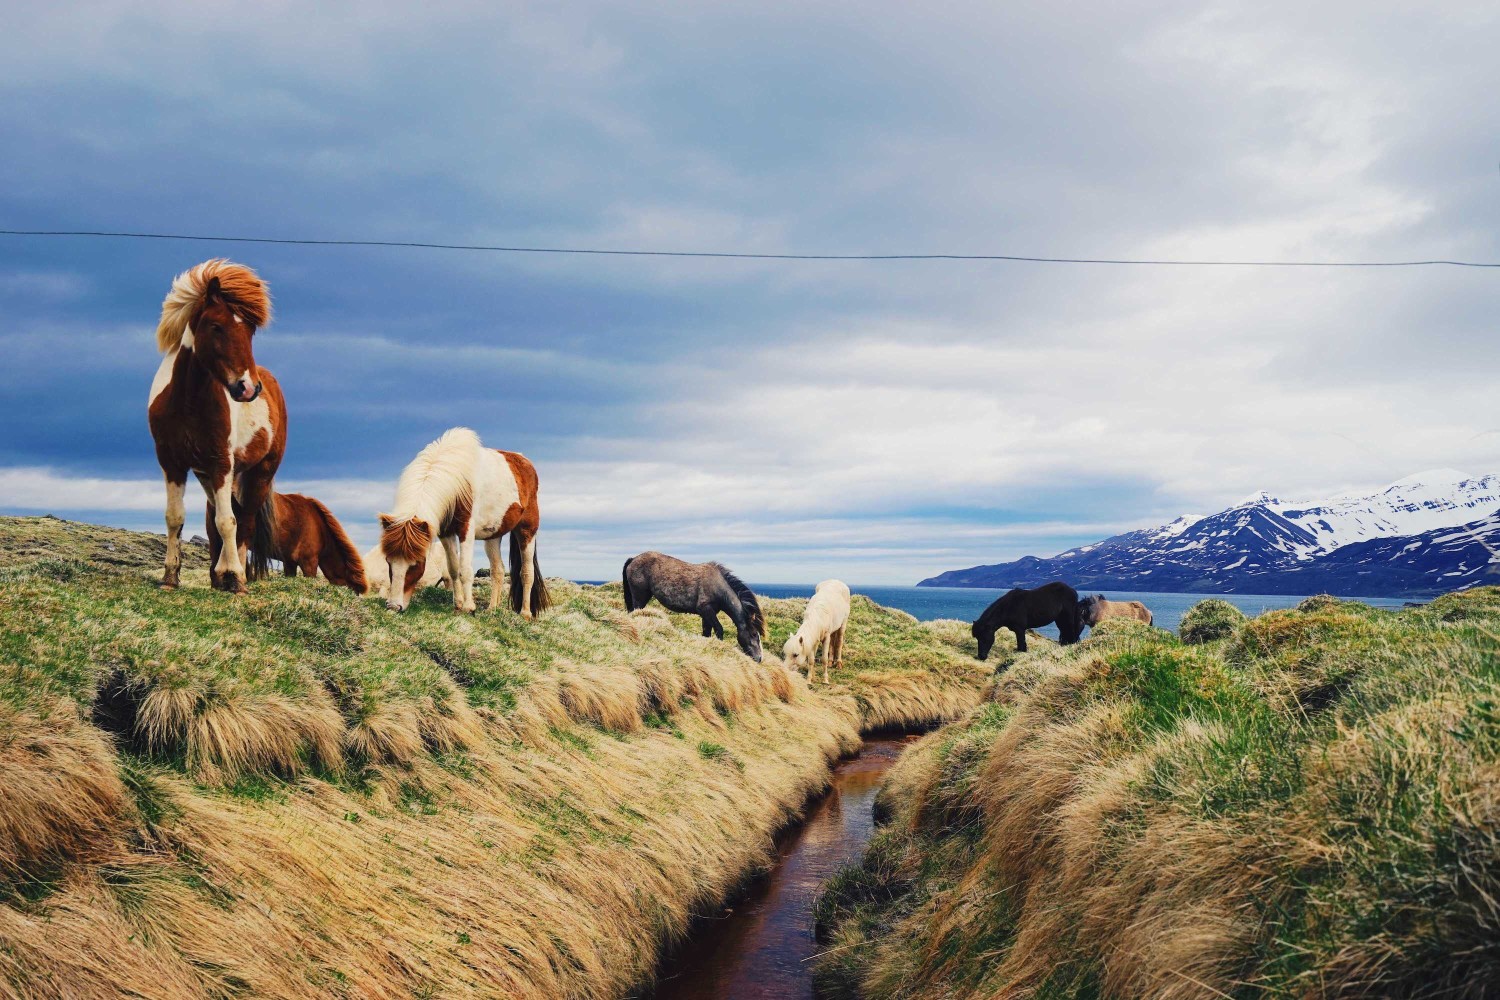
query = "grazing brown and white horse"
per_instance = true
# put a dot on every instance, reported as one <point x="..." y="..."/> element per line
<point x="214" y="412"/>
<point x="378" y="571"/>
<point x="457" y="490"/>
<point x="307" y="537"/>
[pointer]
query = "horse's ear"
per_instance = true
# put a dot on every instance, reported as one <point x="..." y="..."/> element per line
<point x="386" y="521"/>
<point x="212" y="290"/>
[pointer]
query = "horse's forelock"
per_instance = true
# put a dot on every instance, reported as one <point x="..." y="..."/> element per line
<point x="406" y="539"/>
<point x="241" y="288"/>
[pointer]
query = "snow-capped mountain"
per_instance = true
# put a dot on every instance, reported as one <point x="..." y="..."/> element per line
<point x="1428" y="533"/>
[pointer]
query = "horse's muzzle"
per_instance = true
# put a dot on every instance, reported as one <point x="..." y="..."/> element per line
<point x="240" y="391"/>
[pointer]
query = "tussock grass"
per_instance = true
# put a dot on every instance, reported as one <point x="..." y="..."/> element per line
<point x="1209" y="621"/>
<point x="296" y="793"/>
<point x="1304" y="807"/>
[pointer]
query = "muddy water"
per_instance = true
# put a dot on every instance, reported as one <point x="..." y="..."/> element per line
<point x="762" y="946"/>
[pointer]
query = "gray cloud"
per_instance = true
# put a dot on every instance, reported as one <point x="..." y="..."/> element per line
<point x="878" y="421"/>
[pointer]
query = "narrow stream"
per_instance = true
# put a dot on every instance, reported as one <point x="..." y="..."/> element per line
<point x="762" y="946"/>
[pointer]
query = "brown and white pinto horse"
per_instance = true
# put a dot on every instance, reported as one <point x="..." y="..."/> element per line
<point x="217" y="414"/>
<point x="307" y="537"/>
<point x="457" y="490"/>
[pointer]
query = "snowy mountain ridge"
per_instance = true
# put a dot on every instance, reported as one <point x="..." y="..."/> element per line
<point x="1427" y="501"/>
<point x="1267" y="545"/>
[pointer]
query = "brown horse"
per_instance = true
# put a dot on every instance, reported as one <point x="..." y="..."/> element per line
<point x="307" y="537"/>
<point x="1093" y="610"/>
<point x="214" y="412"/>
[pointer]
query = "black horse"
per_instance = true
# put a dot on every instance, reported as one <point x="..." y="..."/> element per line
<point x="1020" y="610"/>
<point x="702" y="589"/>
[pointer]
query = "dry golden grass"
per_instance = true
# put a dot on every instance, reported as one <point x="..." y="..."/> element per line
<point x="60" y="796"/>
<point x="307" y="796"/>
<point x="1304" y="808"/>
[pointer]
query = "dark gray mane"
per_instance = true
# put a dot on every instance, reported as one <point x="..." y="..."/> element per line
<point x="748" y="604"/>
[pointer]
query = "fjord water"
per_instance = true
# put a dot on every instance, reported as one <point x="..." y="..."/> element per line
<point x="761" y="947"/>
<point x="965" y="603"/>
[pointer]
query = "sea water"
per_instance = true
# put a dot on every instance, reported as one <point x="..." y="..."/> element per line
<point x="965" y="603"/>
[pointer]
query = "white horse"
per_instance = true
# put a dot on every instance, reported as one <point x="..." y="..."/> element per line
<point x="454" y="491"/>
<point x="822" y="626"/>
<point x="378" y="571"/>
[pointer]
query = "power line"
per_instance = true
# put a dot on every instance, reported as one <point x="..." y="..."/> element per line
<point x="751" y="256"/>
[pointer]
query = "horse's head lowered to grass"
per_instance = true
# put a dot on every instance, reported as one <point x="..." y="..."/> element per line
<point x="405" y="543"/>
<point x="750" y="624"/>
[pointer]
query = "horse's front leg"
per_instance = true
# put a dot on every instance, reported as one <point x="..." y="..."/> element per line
<point x="176" y="513"/>
<point x="228" y="567"/>
<point x="498" y="581"/>
<point x="827" y="653"/>
<point x="451" y="552"/>
<point x="466" y="567"/>
<point x="1020" y="632"/>
<point x="708" y="626"/>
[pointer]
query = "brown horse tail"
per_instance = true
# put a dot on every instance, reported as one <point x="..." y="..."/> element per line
<point x="339" y="560"/>
<point x="539" y="598"/>
<point x="625" y="579"/>
<point x="263" y="541"/>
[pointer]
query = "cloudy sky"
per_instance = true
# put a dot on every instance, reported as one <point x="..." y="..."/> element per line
<point x="876" y="421"/>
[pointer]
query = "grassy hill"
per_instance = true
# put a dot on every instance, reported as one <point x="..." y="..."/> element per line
<point x="1305" y="804"/>
<point x="297" y="793"/>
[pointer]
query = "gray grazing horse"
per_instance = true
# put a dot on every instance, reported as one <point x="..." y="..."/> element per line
<point x="702" y="589"/>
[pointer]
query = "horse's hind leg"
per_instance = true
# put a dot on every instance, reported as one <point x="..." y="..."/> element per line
<point x="498" y="579"/>
<point x="255" y="490"/>
<point x="528" y="573"/>
<point x="176" y="514"/>
<point x="838" y="649"/>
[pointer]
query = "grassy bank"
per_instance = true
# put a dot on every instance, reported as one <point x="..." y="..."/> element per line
<point x="298" y="793"/>
<point x="1305" y="804"/>
<point x="902" y="674"/>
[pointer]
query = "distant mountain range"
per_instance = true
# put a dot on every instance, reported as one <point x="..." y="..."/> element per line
<point x="1423" y="535"/>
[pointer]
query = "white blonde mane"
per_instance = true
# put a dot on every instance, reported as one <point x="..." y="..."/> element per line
<point x="177" y="308"/>
<point x="440" y="478"/>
